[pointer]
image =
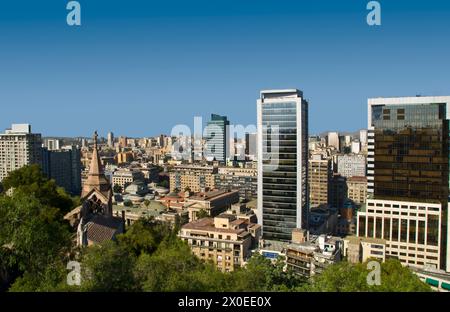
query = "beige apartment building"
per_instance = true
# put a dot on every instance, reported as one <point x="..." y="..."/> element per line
<point x="357" y="189"/>
<point x="225" y="240"/>
<point x="126" y="177"/>
<point x="362" y="249"/>
<point x="193" y="177"/>
<point x="319" y="180"/>
<point x="213" y="202"/>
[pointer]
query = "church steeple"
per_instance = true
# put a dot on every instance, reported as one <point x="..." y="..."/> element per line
<point x="96" y="178"/>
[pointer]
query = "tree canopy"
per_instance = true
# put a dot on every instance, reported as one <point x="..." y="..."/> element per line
<point x="347" y="277"/>
<point x="31" y="180"/>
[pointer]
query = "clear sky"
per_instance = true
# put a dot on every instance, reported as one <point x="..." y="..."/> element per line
<point x="139" y="67"/>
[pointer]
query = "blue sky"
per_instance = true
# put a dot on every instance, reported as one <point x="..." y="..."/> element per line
<point x="139" y="67"/>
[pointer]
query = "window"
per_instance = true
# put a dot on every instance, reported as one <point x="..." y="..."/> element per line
<point x="412" y="231"/>
<point x="394" y="230"/>
<point x="387" y="228"/>
<point x="370" y="221"/>
<point x="378" y="232"/>
<point x="403" y="230"/>
<point x="433" y="230"/>
<point x="362" y="226"/>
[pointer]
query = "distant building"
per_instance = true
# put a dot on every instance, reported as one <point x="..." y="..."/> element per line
<point x="244" y="180"/>
<point x="356" y="147"/>
<point x="362" y="249"/>
<point x="52" y="144"/>
<point x="19" y="147"/>
<point x="64" y="166"/>
<point x="351" y="165"/>
<point x="111" y="140"/>
<point x="319" y="181"/>
<point x="196" y="178"/>
<point x="339" y="191"/>
<point x="217" y="136"/>
<point x="123" y="142"/>
<point x="363" y="137"/>
<point x="123" y="178"/>
<point x="124" y="158"/>
<point x="333" y="140"/>
<point x="323" y="220"/>
<point x="212" y="202"/>
<point x="357" y="189"/>
<point x="310" y="258"/>
<point x="225" y="240"/>
<point x="251" y="150"/>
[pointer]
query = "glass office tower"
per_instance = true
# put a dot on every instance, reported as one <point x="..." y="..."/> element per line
<point x="217" y="138"/>
<point x="408" y="179"/>
<point x="283" y="165"/>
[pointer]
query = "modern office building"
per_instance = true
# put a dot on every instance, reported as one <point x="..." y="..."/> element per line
<point x="319" y="180"/>
<point x="217" y="145"/>
<point x="283" y="163"/>
<point x="19" y="147"/>
<point x="408" y="179"/>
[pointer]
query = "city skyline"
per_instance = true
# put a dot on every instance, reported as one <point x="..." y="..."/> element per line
<point x="162" y="65"/>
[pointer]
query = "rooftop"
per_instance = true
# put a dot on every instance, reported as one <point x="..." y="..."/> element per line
<point x="207" y="224"/>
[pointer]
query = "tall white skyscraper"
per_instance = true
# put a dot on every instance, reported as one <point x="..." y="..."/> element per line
<point x="283" y="163"/>
<point x="19" y="147"/>
<point x="333" y="139"/>
<point x="111" y="139"/>
<point x="363" y="137"/>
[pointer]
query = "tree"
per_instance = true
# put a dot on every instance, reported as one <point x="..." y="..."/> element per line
<point x="202" y="214"/>
<point x="31" y="180"/>
<point x="346" y="277"/>
<point x="117" y="188"/>
<point x="32" y="235"/>
<point x="261" y="275"/>
<point x="173" y="267"/>
<point x="163" y="183"/>
<point x="52" y="279"/>
<point x="145" y="235"/>
<point x="108" y="268"/>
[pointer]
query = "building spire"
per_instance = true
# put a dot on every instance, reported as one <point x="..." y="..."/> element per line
<point x="95" y="137"/>
<point x="96" y="178"/>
